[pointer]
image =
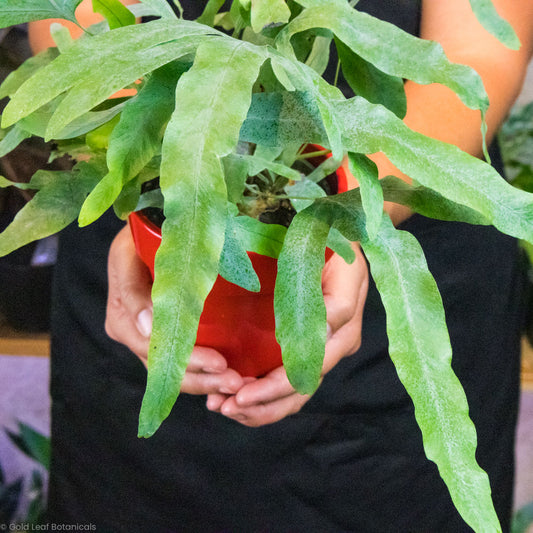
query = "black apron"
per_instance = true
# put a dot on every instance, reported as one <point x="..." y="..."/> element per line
<point x="351" y="460"/>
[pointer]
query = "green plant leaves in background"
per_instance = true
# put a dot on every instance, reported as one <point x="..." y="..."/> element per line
<point x="407" y="56"/>
<point x="34" y="444"/>
<point x="135" y="139"/>
<point x="268" y="12"/>
<point x="16" y="78"/>
<point x="20" y="11"/>
<point x="371" y="83"/>
<point x="116" y="13"/>
<point x="212" y="100"/>
<point x="488" y="16"/>
<point x="420" y="349"/>
<point x="12" y="139"/>
<point x="55" y="205"/>
<point x="106" y="63"/>
<point x="365" y="172"/>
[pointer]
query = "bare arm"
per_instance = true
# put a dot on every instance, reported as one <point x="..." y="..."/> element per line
<point x="435" y="110"/>
<point x="39" y="31"/>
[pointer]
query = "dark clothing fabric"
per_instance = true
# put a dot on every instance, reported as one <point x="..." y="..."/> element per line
<point x="351" y="460"/>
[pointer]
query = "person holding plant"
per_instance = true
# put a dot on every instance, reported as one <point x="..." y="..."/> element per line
<point x="246" y="454"/>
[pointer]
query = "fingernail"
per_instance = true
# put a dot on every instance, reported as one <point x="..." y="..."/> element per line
<point x="213" y="370"/>
<point x="144" y="322"/>
<point x="329" y="332"/>
<point x="226" y="390"/>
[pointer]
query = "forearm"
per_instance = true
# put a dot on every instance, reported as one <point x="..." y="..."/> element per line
<point x="435" y="110"/>
<point x="39" y="31"/>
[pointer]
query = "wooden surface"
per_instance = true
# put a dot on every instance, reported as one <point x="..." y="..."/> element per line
<point x="13" y="342"/>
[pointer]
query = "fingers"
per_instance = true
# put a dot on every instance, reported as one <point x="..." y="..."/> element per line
<point x="260" y="401"/>
<point x="272" y="398"/>
<point x="345" y="288"/>
<point x="341" y="283"/>
<point x="129" y="305"/>
<point x="207" y="373"/>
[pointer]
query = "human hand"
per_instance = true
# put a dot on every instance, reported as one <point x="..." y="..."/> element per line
<point x="271" y="398"/>
<point x="129" y="321"/>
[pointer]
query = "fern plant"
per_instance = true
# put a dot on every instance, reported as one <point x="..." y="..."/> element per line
<point x="254" y="75"/>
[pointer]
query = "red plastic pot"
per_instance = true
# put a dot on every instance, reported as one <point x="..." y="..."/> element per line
<point x="238" y="323"/>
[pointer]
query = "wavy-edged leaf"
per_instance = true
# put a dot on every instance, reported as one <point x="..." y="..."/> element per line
<point x="235" y="265"/>
<point x="277" y="119"/>
<point x="446" y="169"/>
<point x="428" y="202"/>
<point x="406" y="56"/>
<point x="298" y="299"/>
<point x="21" y="11"/>
<point x="116" y="13"/>
<point x="212" y="100"/>
<point x="299" y="302"/>
<point x="93" y="69"/>
<point x="268" y="13"/>
<point x="258" y="237"/>
<point x="135" y="139"/>
<point x="307" y="80"/>
<point x="490" y="19"/>
<point x="365" y="172"/>
<point x="419" y="346"/>
<point x="55" y="205"/>
<point x="370" y="83"/>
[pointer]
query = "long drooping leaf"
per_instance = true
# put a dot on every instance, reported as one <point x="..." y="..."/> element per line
<point x="396" y="52"/>
<point x="116" y="13"/>
<point x="366" y="173"/>
<point x="370" y="83"/>
<point x="298" y="299"/>
<point x="299" y="303"/>
<point x="135" y="140"/>
<point x="490" y="19"/>
<point x="21" y="11"/>
<point x="55" y="205"/>
<point x="93" y="69"/>
<point x="420" y="348"/>
<point x="428" y="202"/>
<point x="442" y="167"/>
<point x="212" y="100"/>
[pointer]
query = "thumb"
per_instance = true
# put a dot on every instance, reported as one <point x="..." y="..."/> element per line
<point x="129" y="301"/>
